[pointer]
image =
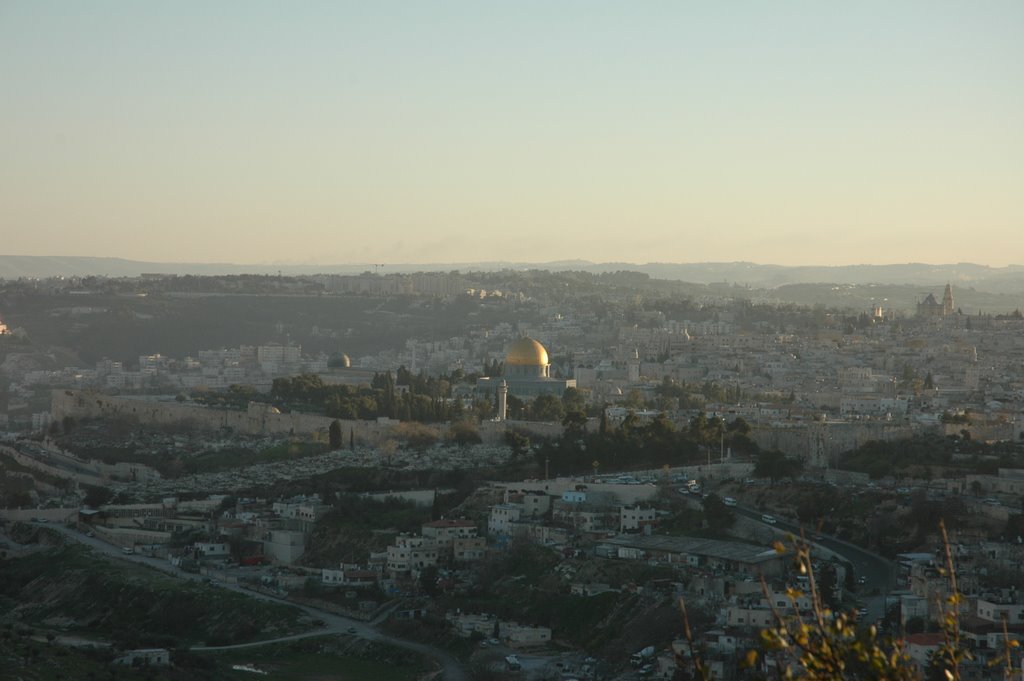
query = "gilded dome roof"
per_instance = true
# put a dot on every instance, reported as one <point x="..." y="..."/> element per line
<point x="526" y="352"/>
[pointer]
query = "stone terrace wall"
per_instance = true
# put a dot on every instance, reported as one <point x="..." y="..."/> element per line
<point x="50" y="467"/>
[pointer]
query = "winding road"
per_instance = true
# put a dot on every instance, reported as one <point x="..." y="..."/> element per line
<point x="879" y="572"/>
<point x="333" y="624"/>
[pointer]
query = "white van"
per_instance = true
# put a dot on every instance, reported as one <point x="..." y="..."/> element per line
<point x="729" y="501"/>
<point x="770" y="519"/>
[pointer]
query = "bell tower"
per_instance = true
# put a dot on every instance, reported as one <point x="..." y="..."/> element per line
<point x="947" y="301"/>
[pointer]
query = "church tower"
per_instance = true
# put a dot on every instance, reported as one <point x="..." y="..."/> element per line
<point x="947" y="301"/>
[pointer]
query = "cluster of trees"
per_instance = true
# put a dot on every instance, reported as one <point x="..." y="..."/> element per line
<point x="918" y="455"/>
<point x="775" y="465"/>
<point x="549" y="408"/>
<point x="235" y="397"/>
<point x="404" y="396"/>
<point x="428" y="399"/>
<point x="408" y="397"/>
<point x="719" y="517"/>
<point x="494" y="369"/>
<point x="693" y="395"/>
<point x="634" y="442"/>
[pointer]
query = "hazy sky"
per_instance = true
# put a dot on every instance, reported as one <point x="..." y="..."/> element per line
<point x="333" y="132"/>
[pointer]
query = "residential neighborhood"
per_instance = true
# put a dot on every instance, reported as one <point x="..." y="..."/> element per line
<point x="715" y="470"/>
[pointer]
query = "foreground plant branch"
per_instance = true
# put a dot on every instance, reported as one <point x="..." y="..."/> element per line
<point x="821" y="645"/>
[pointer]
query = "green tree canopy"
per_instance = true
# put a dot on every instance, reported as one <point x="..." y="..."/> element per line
<point x="334" y="434"/>
<point x="547" y="408"/>
<point x="776" y="465"/>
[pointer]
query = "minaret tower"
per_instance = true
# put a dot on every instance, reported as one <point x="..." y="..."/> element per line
<point x="947" y="301"/>
<point x="502" y="401"/>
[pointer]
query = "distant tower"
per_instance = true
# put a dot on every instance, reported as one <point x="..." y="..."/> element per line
<point x="502" y="401"/>
<point x="633" y="367"/>
<point x="947" y="301"/>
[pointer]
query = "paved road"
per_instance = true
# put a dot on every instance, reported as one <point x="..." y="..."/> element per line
<point x="879" y="572"/>
<point x="334" y="624"/>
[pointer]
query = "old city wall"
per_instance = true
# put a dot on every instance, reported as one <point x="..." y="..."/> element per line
<point x="493" y="432"/>
<point x="820" y="444"/>
<point x="258" y="419"/>
<point x="984" y="431"/>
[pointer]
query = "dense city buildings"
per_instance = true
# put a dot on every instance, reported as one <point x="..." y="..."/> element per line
<point x="471" y="479"/>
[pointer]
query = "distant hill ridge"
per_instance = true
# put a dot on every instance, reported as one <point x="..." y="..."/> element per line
<point x="997" y="279"/>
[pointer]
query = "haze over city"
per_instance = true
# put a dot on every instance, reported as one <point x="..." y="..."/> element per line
<point x="792" y="133"/>
<point x="476" y="341"/>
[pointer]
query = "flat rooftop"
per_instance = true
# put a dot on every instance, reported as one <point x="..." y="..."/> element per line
<point x="712" y="548"/>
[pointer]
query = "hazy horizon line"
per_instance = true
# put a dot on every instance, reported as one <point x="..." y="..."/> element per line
<point x="557" y="262"/>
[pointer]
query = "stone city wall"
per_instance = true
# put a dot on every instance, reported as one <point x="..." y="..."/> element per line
<point x="984" y="431"/>
<point x="820" y="444"/>
<point x="257" y="419"/>
<point x="261" y="419"/>
<point x="493" y="432"/>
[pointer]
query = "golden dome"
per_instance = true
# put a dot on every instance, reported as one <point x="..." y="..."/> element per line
<point x="526" y="352"/>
